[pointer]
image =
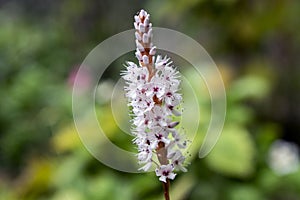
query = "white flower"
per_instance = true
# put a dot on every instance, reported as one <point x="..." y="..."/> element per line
<point x="177" y="160"/>
<point x="152" y="89"/>
<point x="165" y="171"/>
<point x="284" y="157"/>
<point x="156" y="88"/>
<point x="145" y="155"/>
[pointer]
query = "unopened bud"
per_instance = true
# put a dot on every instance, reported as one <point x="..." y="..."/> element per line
<point x="152" y="51"/>
<point x="173" y="124"/>
<point x="145" y="59"/>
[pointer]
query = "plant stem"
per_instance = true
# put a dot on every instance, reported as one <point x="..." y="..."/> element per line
<point x="166" y="189"/>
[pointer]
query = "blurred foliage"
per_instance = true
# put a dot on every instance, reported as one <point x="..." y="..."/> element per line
<point x="255" y="44"/>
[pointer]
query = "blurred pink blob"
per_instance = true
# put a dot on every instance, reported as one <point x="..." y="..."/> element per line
<point x="83" y="79"/>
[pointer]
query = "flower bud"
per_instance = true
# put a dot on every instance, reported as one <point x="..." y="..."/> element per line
<point x="172" y="124"/>
<point x="138" y="36"/>
<point x="152" y="51"/>
<point x="145" y="60"/>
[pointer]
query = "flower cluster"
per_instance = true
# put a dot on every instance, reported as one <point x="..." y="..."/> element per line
<point x="152" y="91"/>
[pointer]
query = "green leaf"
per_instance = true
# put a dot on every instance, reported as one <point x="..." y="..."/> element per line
<point x="233" y="154"/>
<point x="245" y="193"/>
<point x="250" y="86"/>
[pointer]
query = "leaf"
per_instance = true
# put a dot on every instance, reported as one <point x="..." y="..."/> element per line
<point x="233" y="154"/>
<point x="245" y="193"/>
<point x="250" y="86"/>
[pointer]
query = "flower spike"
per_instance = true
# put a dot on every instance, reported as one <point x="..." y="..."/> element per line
<point x="152" y="91"/>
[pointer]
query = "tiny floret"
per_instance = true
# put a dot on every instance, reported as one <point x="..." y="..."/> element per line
<point x="164" y="172"/>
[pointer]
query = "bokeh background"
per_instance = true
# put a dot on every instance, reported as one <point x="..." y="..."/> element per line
<point x="255" y="45"/>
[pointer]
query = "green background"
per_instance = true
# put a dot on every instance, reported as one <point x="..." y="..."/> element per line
<point x="255" y="45"/>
